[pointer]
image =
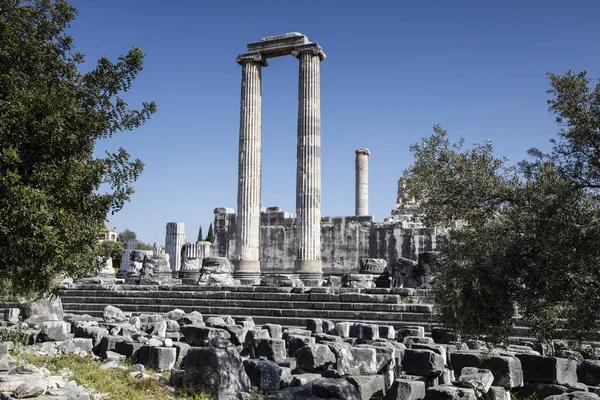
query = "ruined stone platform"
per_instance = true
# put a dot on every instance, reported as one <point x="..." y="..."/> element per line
<point x="280" y="305"/>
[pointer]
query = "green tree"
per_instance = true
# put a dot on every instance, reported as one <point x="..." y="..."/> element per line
<point x="200" y="237"/>
<point x="126" y="235"/>
<point x="210" y="236"/>
<point x="144" y="246"/>
<point x="112" y="250"/>
<point x="54" y="193"/>
<point x="532" y="244"/>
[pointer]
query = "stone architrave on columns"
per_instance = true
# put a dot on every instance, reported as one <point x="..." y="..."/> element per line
<point x="362" y="182"/>
<point x="174" y="240"/>
<point x="308" y="170"/>
<point x="247" y="262"/>
<point x="128" y="246"/>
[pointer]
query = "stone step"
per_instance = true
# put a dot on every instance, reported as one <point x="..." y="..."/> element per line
<point x="212" y="302"/>
<point x="272" y="296"/>
<point x="95" y="309"/>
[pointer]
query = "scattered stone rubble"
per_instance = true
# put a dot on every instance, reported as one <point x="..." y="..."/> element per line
<point x="227" y="357"/>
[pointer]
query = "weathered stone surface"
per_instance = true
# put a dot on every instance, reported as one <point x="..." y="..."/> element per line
<point x="294" y="343"/>
<point x="368" y="387"/>
<point x="303" y="379"/>
<point x="507" y="370"/>
<point x="422" y="362"/>
<point x="410" y="340"/>
<point x="272" y="349"/>
<point x="162" y="358"/>
<point x="30" y="389"/>
<point x="334" y="389"/>
<point x="314" y="357"/>
<point x="217" y="372"/>
<point x="574" y="396"/>
<point x="53" y="331"/>
<point x="446" y="392"/>
<point x="498" y="393"/>
<point x="542" y="369"/>
<point x="174" y="241"/>
<point x="342" y="329"/>
<point x="12" y="315"/>
<point x="265" y="375"/>
<point x="48" y="309"/>
<point x="190" y="318"/>
<point x="406" y="389"/>
<point x="357" y="361"/>
<point x="275" y="331"/>
<point x="315" y="325"/>
<point x="588" y="372"/>
<point x="198" y="335"/>
<point x="4" y="357"/>
<point x="113" y="314"/>
<point x="476" y="378"/>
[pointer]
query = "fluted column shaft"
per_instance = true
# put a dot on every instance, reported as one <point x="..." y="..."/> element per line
<point x="308" y="170"/>
<point x="362" y="182"/>
<point x="247" y="263"/>
<point x="174" y="241"/>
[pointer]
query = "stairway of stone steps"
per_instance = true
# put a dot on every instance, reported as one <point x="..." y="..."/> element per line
<point x="285" y="306"/>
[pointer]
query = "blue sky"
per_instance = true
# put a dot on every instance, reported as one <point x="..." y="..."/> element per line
<point x="393" y="70"/>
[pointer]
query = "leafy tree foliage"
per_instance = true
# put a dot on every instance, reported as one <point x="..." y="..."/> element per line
<point x="126" y="235"/>
<point x="51" y="115"/>
<point x="210" y="236"/>
<point x="144" y="246"/>
<point x="200" y="237"/>
<point x="112" y="250"/>
<point x="532" y="244"/>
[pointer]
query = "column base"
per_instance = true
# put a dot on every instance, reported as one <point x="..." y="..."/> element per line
<point x="247" y="271"/>
<point x="310" y="272"/>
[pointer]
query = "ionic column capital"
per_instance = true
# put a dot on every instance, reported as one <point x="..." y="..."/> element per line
<point x="251" y="57"/>
<point x="363" y="151"/>
<point x="312" y="48"/>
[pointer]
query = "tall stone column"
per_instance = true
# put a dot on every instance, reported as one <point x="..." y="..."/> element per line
<point x="247" y="261"/>
<point x="308" y="169"/>
<point x="174" y="241"/>
<point x="362" y="182"/>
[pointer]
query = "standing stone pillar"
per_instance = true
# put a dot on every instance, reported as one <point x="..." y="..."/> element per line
<point x="174" y="241"/>
<point x="308" y="169"/>
<point x="128" y="246"/>
<point x="247" y="263"/>
<point x="362" y="182"/>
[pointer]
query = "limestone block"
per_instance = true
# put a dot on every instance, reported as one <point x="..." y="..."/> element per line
<point x="476" y="378"/>
<point x="436" y="348"/>
<point x="542" y="369"/>
<point x="216" y="372"/>
<point x="328" y="326"/>
<point x="199" y="335"/>
<point x="357" y="361"/>
<point x="182" y="349"/>
<point x="368" y="387"/>
<point x="588" y="372"/>
<point x="275" y="331"/>
<point x="447" y="392"/>
<point x="365" y="331"/>
<point x="387" y="332"/>
<point x="92" y="332"/>
<point x="315" y="325"/>
<point x="409" y="340"/>
<point x="303" y="379"/>
<point x="160" y="329"/>
<point x="497" y="393"/>
<point x="237" y="334"/>
<point x="406" y="389"/>
<point x="53" y="331"/>
<point x="295" y="342"/>
<point x="162" y="358"/>
<point x="256" y="333"/>
<point x="416" y="331"/>
<point x="113" y="314"/>
<point x="272" y="349"/>
<point x="297" y="331"/>
<point x="265" y="375"/>
<point x="12" y="315"/>
<point x="422" y="362"/>
<point x="574" y="396"/>
<point x="109" y="343"/>
<point x="190" y="318"/>
<point x="507" y="370"/>
<point x="47" y="309"/>
<point x="4" y="357"/>
<point x="175" y="314"/>
<point x="342" y="329"/>
<point x="314" y="357"/>
<point x="327" y="388"/>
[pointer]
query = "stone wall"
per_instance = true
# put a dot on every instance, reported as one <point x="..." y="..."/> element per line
<point x="344" y="240"/>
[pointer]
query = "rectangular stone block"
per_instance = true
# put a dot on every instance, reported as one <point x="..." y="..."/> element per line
<point x="422" y="362"/>
<point x="507" y="370"/>
<point x="536" y="368"/>
<point x="406" y="389"/>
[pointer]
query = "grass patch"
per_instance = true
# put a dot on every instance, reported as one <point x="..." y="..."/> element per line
<point x="117" y="383"/>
